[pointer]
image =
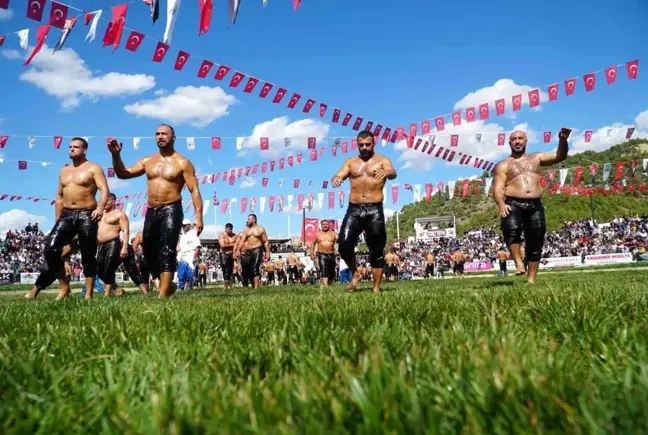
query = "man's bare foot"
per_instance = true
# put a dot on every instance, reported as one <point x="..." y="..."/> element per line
<point x="520" y="273"/>
<point x="354" y="281"/>
<point x="32" y="293"/>
<point x="531" y="281"/>
<point x="63" y="294"/>
<point x="171" y="291"/>
<point x="378" y="290"/>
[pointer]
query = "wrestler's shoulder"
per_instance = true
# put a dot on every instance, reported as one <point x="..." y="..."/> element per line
<point x="182" y="160"/>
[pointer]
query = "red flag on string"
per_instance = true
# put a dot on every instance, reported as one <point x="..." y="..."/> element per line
<point x="160" y="51"/>
<point x="35" y="9"/>
<point x="111" y="173"/>
<point x="243" y="204"/>
<point x="500" y="106"/>
<point x="281" y="92"/>
<point x="570" y="86"/>
<point x="547" y="136"/>
<point x="517" y="102"/>
<point x="354" y="144"/>
<point x="454" y="140"/>
<point x="309" y="104"/>
<point x="552" y="90"/>
<point x="236" y="79"/>
<point x="298" y="158"/>
<point x="534" y="98"/>
<point x="632" y="69"/>
<point x="264" y="182"/>
<point x="425" y="126"/>
<point x="294" y="100"/>
<point x="336" y="115"/>
<point x="611" y="74"/>
<point x="296" y="184"/>
<point x="630" y="132"/>
<point x="272" y="165"/>
<point x="116" y="26"/>
<point x="456" y="118"/>
<point x="313" y="155"/>
<point x="588" y="136"/>
<point x="578" y="174"/>
<point x="221" y="72"/>
<point x="58" y="14"/>
<point x="369" y="125"/>
<point x="347" y="119"/>
<point x="2" y="40"/>
<point x="281" y="163"/>
<point x="265" y="144"/>
<point x="265" y="90"/>
<point x="470" y="114"/>
<point x="87" y="17"/>
<point x="323" y="108"/>
<point x="205" y="67"/>
<point x="22" y="164"/>
<point x="296" y="4"/>
<point x="440" y="123"/>
<point x="181" y="60"/>
<point x="249" y="86"/>
<point x="57" y="141"/>
<point x="590" y="81"/>
<point x="205" y="16"/>
<point x="312" y="142"/>
<point x="216" y="143"/>
<point x="501" y="139"/>
<point x="619" y="170"/>
<point x="484" y="111"/>
<point x="394" y="194"/>
<point x="40" y="40"/>
<point x="345" y="147"/>
<point x="357" y="123"/>
<point x="134" y="40"/>
<point x="290" y="161"/>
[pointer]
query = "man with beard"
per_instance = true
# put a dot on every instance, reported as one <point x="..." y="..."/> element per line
<point x="227" y="242"/>
<point x="111" y="250"/>
<point x="368" y="173"/>
<point x="517" y="192"/>
<point x="167" y="172"/>
<point x="255" y="240"/>
<point x="325" y="240"/>
<point x="77" y="214"/>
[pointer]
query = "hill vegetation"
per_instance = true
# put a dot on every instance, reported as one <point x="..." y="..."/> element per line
<point x="479" y="210"/>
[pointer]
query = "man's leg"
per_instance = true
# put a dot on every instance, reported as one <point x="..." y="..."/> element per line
<point x="376" y="237"/>
<point x="170" y="226"/>
<point x="256" y="270"/>
<point x="150" y="262"/>
<point x="60" y="236"/>
<point x="111" y="263"/>
<point x="534" y="234"/>
<point x="348" y="238"/>
<point x="87" y="231"/>
<point x="133" y="272"/>
<point x="512" y="231"/>
<point x="182" y="272"/>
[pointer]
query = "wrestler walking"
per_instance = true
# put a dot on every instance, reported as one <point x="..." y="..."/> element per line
<point x="391" y="265"/>
<point x="325" y="241"/>
<point x="517" y="192"/>
<point x="227" y="242"/>
<point x="257" y="249"/>
<point x="167" y="172"/>
<point x="111" y="250"/>
<point x="77" y="213"/>
<point x="368" y="173"/>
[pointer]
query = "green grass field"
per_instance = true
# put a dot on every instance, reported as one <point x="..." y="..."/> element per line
<point x="568" y="355"/>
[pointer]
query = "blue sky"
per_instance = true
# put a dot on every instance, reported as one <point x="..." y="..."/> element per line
<point x="379" y="59"/>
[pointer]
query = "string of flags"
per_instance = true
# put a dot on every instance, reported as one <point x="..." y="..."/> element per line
<point x="484" y="110"/>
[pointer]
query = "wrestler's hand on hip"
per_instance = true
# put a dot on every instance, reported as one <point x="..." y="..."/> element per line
<point x="505" y="210"/>
<point x="564" y="133"/>
<point x="199" y="226"/>
<point x="114" y="147"/>
<point x="336" y="181"/>
<point x="96" y="215"/>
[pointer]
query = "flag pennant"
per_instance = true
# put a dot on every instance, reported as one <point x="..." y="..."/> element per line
<point x="57" y="141"/>
<point x="3" y="141"/>
<point x="470" y="114"/>
<point x="236" y="79"/>
<point x="181" y="60"/>
<point x="570" y="86"/>
<point x="93" y="27"/>
<point x="500" y="106"/>
<point x="552" y="90"/>
<point x="216" y="143"/>
<point x="22" y="165"/>
<point x="58" y="14"/>
<point x="205" y="16"/>
<point x="632" y="69"/>
<point x="484" y="111"/>
<point x="369" y="126"/>
<point x="312" y="143"/>
<point x="425" y="126"/>
<point x="205" y="67"/>
<point x="172" y="13"/>
<point x="155" y="10"/>
<point x="41" y="34"/>
<point x="347" y="119"/>
<point x="439" y="122"/>
<point x="501" y="139"/>
<point x="322" y="109"/>
<point x="456" y="118"/>
<point x="534" y="98"/>
<point x="233" y="10"/>
<point x="357" y="123"/>
<point x="264" y="144"/>
<point x="629" y="132"/>
<point x="611" y="74"/>
<point x="67" y="28"/>
<point x="590" y="81"/>
<point x="35" y="9"/>
<point x="249" y="86"/>
<point x="293" y="100"/>
<point x="309" y="105"/>
<point x="116" y="26"/>
<point x="547" y="136"/>
<point x="454" y="140"/>
<point x="588" y="136"/>
<point x="517" y="102"/>
<point x="281" y="92"/>
<point x="296" y="4"/>
<point x="221" y="72"/>
<point x="2" y="40"/>
<point x="134" y="40"/>
<point x="265" y="90"/>
<point x="160" y="51"/>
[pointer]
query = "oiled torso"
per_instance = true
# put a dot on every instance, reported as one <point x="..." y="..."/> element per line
<point x="326" y="241"/>
<point x="79" y="187"/>
<point x="391" y="258"/>
<point x="269" y="266"/>
<point x="109" y="228"/>
<point x="291" y="259"/>
<point x="365" y="188"/>
<point x="165" y="179"/>
<point x="523" y="177"/>
<point x="279" y="264"/>
<point x="429" y="259"/>
<point x="254" y="236"/>
<point x="228" y="239"/>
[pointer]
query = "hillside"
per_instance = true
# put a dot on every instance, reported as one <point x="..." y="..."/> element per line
<point x="479" y="210"/>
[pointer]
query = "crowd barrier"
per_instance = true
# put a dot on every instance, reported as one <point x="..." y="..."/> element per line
<point x="557" y="262"/>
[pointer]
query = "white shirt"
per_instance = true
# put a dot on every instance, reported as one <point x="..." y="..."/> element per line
<point x="343" y="265"/>
<point x="189" y="241"/>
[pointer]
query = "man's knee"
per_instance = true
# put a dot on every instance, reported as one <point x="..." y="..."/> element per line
<point x="168" y="260"/>
<point x="346" y="248"/>
<point x="377" y="258"/>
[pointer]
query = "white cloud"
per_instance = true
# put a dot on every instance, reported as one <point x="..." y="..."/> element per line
<point x="18" y="219"/>
<point x="503" y="88"/>
<point x="115" y="183"/>
<point x="66" y="76"/>
<point x="389" y="213"/>
<point x="11" y="54"/>
<point x="197" y="106"/>
<point x="278" y="129"/>
<point x="600" y="140"/>
<point x="135" y="226"/>
<point x="6" y="14"/>
<point x="642" y="119"/>
<point x="161" y="92"/>
<point x="247" y="183"/>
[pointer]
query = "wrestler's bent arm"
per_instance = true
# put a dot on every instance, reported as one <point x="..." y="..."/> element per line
<point x="242" y="237"/>
<point x="58" y="207"/>
<point x="102" y="185"/>
<point x="388" y="169"/>
<point x="189" y="173"/>
<point x="499" y="182"/>
<point x="123" y="223"/>
<point x="122" y="172"/>
<point x="342" y="174"/>
<point x="548" y="159"/>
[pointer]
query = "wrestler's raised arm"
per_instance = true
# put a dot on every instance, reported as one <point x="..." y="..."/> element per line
<point x="499" y="182"/>
<point x="548" y="159"/>
<point x="342" y="174"/>
<point x="121" y="171"/>
<point x="189" y="173"/>
<point x="102" y="185"/>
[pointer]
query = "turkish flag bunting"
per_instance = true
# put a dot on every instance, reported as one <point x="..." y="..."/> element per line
<point x="484" y="111"/>
<point x="239" y="172"/>
<point x="454" y="140"/>
<point x="334" y="150"/>
<point x="331" y="199"/>
<point x="534" y="98"/>
<point x="116" y="26"/>
<point x="429" y="187"/>
<point x="376" y="133"/>
<point x="134" y="41"/>
<point x="247" y="170"/>
<point x="410" y="141"/>
<point x="629" y="132"/>
<point x="570" y="86"/>
<point x="205" y="67"/>
<point x="500" y="106"/>
<point x="298" y="158"/>
<point x="345" y="147"/>
<point x="243" y="204"/>
<point x="281" y="92"/>
<point x="400" y="133"/>
<point x="347" y="119"/>
<point x="590" y="81"/>
<point x="58" y="14"/>
<point x="160" y="51"/>
<point x="501" y="138"/>
<point x="425" y="146"/>
<point x="313" y="155"/>
<point x="425" y="126"/>
<point x="265" y="144"/>
<point x="224" y="176"/>
<point x="547" y="136"/>
<point x="357" y="123"/>
<point x="552" y="90"/>
<point x="369" y="125"/>
<point x="439" y="151"/>
<point x="413" y="129"/>
<point x="2" y="40"/>
<point x="354" y="144"/>
<point x="57" y="141"/>
<point x="336" y="115"/>
<point x="216" y="143"/>
<point x="264" y="182"/>
<point x="255" y="168"/>
<point x="40" y="40"/>
<point x="611" y="74"/>
<point x="578" y="174"/>
<point x="324" y="184"/>
<point x="181" y="60"/>
<point x="394" y="194"/>
<point x="265" y="90"/>
<point x="619" y="170"/>
<point x="470" y="114"/>
<point x="22" y="165"/>
<point x="223" y="207"/>
<point x="456" y="118"/>
<point x="308" y="106"/>
<point x="271" y="203"/>
<point x="294" y="100"/>
<point x="35" y="9"/>
<point x="588" y="136"/>
<point x="418" y="143"/>
<point x="290" y="160"/>
<point x="236" y="79"/>
<point x="272" y="165"/>
<point x="467" y="160"/>
<point x="205" y="16"/>
<point x="440" y="123"/>
<point x="451" y="157"/>
<point x="463" y="159"/>
<point x="386" y="134"/>
<point x="312" y="142"/>
<point x="323" y="108"/>
<point x="221" y="72"/>
<point x="296" y="184"/>
<point x="281" y="163"/>
<point x="310" y="229"/>
<point x="249" y="86"/>
<point x="632" y="68"/>
<point x="111" y="173"/>
<point x="517" y="102"/>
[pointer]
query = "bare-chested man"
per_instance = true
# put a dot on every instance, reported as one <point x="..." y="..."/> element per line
<point x="227" y="242"/>
<point x="167" y="172"/>
<point x="293" y="270"/>
<point x="325" y="240"/>
<point x="269" y="267"/>
<point x="111" y="250"/>
<point x="368" y="173"/>
<point x="458" y="263"/>
<point x="429" y="268"/>
<point x="391" y="265"/>
<point x="502" y="256"/>
<point x="77" y="213"/>
<point x="255" y="240"/>
<point x="517" y="192"/>
<point x="280" y="267"/>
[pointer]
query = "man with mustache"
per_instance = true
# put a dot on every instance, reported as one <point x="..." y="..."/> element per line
<point x="368" y="173"/>
<point x="517" y="192"/>
<point x="257" y="249"/>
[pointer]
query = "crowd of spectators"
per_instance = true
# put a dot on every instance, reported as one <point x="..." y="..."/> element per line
<point x="21" y="250"/>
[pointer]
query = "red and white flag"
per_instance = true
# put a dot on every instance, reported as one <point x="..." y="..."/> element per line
<point x="281" y="92"/>
<point x="249" y="86"/>
<point x="265" y="90"/>
<point x="440" y="123"/>
<point x="454" y="140"/>
<point x="309" y="105"/>
<point x="116" y="26"/>
<point x="181" y="60"/>
<point x="205" y="16"/>
<point x="160" y="51"/>
<point x="216" y="143"/>
<point x="265" y="144"/>
<point x="456" y="118"/>
<point x="517" y="102"/>
<point x="570" y="86"/>
<point x="470" y="114"/>
<point x="590" y="81"/>
<point x="221" y="72"/>
<point x="534" y="98"/>
<point x="35" y="9"/>
<point x="547" y="136"/>
<point x="205" y="67"/>
<point x="336" y="115"/>
<point x="134" y="41"/>
<point x="425" y="127"/>
<point x="588" y="136"/>
<point x="322" y="109"/>
<point x="58" y="14"/>
<point x="632" y="68"/>
<point x="500" y="106"/>
<point x="347" y="119"/>
<point x="236" y="79"/>
<point x="484" y="111"/>
<point x="41" y="34"/>
<point x="294" y="100"/>
<point x="552" y="90"/>
<point x="501" y="139"/>
<point x="57" y="141"/>
<point x="611" y="74"/>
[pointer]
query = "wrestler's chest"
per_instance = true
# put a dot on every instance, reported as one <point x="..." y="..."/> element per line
<point x="161" y="169"/>
<point x="78" y="178"/>
<point x="525" y="167"/>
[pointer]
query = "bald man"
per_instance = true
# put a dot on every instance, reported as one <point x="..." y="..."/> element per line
<point x="517" y="192"/>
